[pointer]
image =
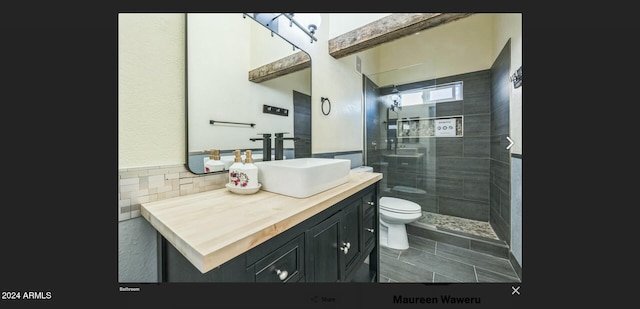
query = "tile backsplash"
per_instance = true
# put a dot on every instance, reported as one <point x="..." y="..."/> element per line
<point x="148" y="184"/>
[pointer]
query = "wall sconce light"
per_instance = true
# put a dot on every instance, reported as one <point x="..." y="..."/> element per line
<point x="307" y="22"/>
<point x="310" y="21"/>
<point x="516" y="78"/>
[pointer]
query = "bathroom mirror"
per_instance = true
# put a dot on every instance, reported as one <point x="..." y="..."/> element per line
<point x="224" y="108"/>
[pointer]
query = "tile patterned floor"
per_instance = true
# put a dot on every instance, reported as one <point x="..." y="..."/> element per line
<point x="427" y="260"/>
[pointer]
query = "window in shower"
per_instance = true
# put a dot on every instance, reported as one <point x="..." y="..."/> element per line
<point x="434" y="94"/>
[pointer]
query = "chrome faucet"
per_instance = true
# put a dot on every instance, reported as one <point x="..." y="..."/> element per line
<point x="266" y="145"/>
<point x="279" y="155"/>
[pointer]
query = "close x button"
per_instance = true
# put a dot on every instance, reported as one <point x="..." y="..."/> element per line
<point x="515" y="290"/>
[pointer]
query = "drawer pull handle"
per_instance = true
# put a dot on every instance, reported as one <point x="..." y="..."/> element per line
<point x="371" y="203"/>
<point x="371" y="230"/>
<point x="345" y="247"/>
<point x="282" y="274"/>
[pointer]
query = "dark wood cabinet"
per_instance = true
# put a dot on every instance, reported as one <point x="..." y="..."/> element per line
<point x="174" y="267"/>
<point x="340" y="244"/>
<point x="334" y="247"/>
<point x="322" y="251"/>
<point x="351" y="235"/>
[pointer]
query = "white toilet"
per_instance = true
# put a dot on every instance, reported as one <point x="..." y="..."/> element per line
<point x="395" y="213"/>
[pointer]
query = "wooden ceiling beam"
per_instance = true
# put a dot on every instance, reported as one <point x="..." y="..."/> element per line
<point x="387" y="29"/>
<point x="381" y="31"/>
<point x="292" y="63"/>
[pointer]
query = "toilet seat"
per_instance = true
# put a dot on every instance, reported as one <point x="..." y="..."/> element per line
<point x="398" y="218"/>
<point x="396" y="205"/>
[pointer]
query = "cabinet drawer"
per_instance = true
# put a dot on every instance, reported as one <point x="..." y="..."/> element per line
<point x="369" y="225"/>
<point x="285" y="264"/>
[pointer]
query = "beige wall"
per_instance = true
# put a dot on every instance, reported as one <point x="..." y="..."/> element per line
<point x="151" y="116"/>
<point x="342" y="129"/>
<point x="454" y="48"/>
<point x="151" y="88"/>
<point x="151" y="107"/>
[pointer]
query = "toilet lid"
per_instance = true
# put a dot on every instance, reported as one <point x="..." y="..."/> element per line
<point x="393" y="204"/>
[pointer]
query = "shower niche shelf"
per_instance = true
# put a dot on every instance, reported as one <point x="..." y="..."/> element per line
<point x="450" y="126"/>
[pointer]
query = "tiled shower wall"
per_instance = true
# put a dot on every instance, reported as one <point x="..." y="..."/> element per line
<point x="462" y="164"/>
<point x="148" y="184"/>
<point x="500" y="163"/>
<point x="455" y="172"/>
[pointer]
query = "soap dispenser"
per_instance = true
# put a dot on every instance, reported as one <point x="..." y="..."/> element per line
<point x="214" y="164"/>
<point x="237" y="177"/>
<point x="251" y="170"/>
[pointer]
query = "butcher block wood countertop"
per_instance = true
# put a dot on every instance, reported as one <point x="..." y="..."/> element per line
<point x="212" y="227"/>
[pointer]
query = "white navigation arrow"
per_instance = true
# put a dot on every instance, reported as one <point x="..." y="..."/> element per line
<point x="510" y="143"/>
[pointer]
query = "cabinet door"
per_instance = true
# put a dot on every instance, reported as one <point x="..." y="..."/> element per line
<point x="350" y="236"/>
<point x="322" y="251"/>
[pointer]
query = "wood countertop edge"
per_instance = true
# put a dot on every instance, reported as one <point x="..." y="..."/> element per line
<point x="206" y="261"/>
<point x="189" y="252"/>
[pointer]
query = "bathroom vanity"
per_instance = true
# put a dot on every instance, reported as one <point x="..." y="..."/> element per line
<point x="218" y="236"/>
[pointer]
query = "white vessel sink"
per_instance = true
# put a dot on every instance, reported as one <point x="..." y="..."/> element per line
<point x="302" y="177"/>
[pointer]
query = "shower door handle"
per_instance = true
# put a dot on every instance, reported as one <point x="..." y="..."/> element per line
<point x="375" y="146"/>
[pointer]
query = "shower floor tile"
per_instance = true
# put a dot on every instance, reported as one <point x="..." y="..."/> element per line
<point x="434" y="221"/>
